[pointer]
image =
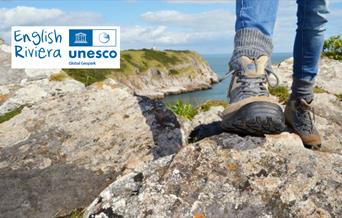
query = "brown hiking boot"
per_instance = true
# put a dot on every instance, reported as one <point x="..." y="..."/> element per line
<point x="298" y="116"/>
<point x="252" y="110"/>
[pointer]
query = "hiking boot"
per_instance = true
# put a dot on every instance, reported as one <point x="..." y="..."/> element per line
<point x="252" y="111"/>
<point x="298" y="116"/>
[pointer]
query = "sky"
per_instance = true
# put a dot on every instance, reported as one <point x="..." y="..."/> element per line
<point x="206" y="26"/>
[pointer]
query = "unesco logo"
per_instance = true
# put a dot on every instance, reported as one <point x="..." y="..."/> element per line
<point x="92" y="37"/>
<point x="104" y="37"/>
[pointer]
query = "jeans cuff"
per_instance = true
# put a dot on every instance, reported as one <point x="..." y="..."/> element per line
<point x="302" y="88"/>
<point x="252" y="43"/>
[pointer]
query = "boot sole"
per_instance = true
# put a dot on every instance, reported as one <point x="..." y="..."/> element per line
<point x="256" y="118"/>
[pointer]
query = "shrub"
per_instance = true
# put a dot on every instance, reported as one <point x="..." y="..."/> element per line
<point x="333" y="48"/>
<point x="182" y="109"/>
<point x="281" y="92"/>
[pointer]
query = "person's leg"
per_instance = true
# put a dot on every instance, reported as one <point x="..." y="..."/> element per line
<point x="254" y="26"/>
<point x="307" y="50"/>
<point x="308" y="45"/>
<point x="251" y="110"/>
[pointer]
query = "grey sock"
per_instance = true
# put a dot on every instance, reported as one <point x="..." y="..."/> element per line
<point x="252" y="43"/>
<point x="302" y="89"/>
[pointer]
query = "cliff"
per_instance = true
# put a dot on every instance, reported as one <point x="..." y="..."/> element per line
<point x="147" y="72"/>
<point x="155" y="73"/>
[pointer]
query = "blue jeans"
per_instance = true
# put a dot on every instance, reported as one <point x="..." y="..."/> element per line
<point x="311" y="20"/>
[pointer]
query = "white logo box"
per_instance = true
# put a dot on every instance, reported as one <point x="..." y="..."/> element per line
<point x="47" y="47"/>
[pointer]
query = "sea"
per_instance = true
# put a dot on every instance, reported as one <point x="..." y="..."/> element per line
<point x="219" y="64"/>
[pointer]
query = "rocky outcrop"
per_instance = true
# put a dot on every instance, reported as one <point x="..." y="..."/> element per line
<point x="187" y="71"/>
<point x="329" y="77"/>
<point x="72" y="144"/>
<point x="31" y="92"/>
<point x="58" y="154"/>
<point x="225" y="175"/>
<point x="230" y="176"/>
<point x="17" y="76"/>
<point x="327" y="106"/>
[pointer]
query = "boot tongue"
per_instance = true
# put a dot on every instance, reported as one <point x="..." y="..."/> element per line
<point x="253" y="68"/>
<point x="306" y="103"/>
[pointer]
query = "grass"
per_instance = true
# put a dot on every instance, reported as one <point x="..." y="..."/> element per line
<point x="318" y="89"/>
<point x="58" y="76"/>
<point x="135" y="62"/>
<point x="188" y="111"/>
<point x="77" y="213"/>
<point x="11" y="114"/>
<point x="281" y="92"/>
<point x="212" y="103"/>
<point x="174" y="72"/>
<point x="88" y="76"/>
<point x="167" y="58"/>
<point x="182" y="109"/>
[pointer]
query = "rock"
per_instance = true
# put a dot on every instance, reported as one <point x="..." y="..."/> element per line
<point x="203" y="125"/>
<point x="58" y="154"/>
<point x="10" y="76"/>
<point x="32" y="92"/>
<point x="327" y="107"/>
<point x="329" y="76"/>
<point x="229" y="176"/>
<point x="328" y="114"/>
<point x="220" y="174"/>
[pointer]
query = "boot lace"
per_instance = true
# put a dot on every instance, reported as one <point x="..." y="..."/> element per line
<point x="252" y="86"/>
<point x="305" y="119"/>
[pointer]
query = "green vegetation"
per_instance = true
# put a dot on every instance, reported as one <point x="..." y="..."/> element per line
<point x="212" y="103"/>
<point x="11" y="114"/>
<point x="318" y="89"/>
<point x="339" y="97"/>
<point x="58" y="76"/>
<point x="88" y="76"/>
<point x="174" y="72"/>
<point x="281" y="92"/>
<point x="77" y="213"/>
<point x="137" y="62"/>
<point x="167" y="58"/>
<point x="182" y="109"/>
<point x="333" y="48"/>
<point x="321" y="90"/>
<point x="188" y="111"/>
